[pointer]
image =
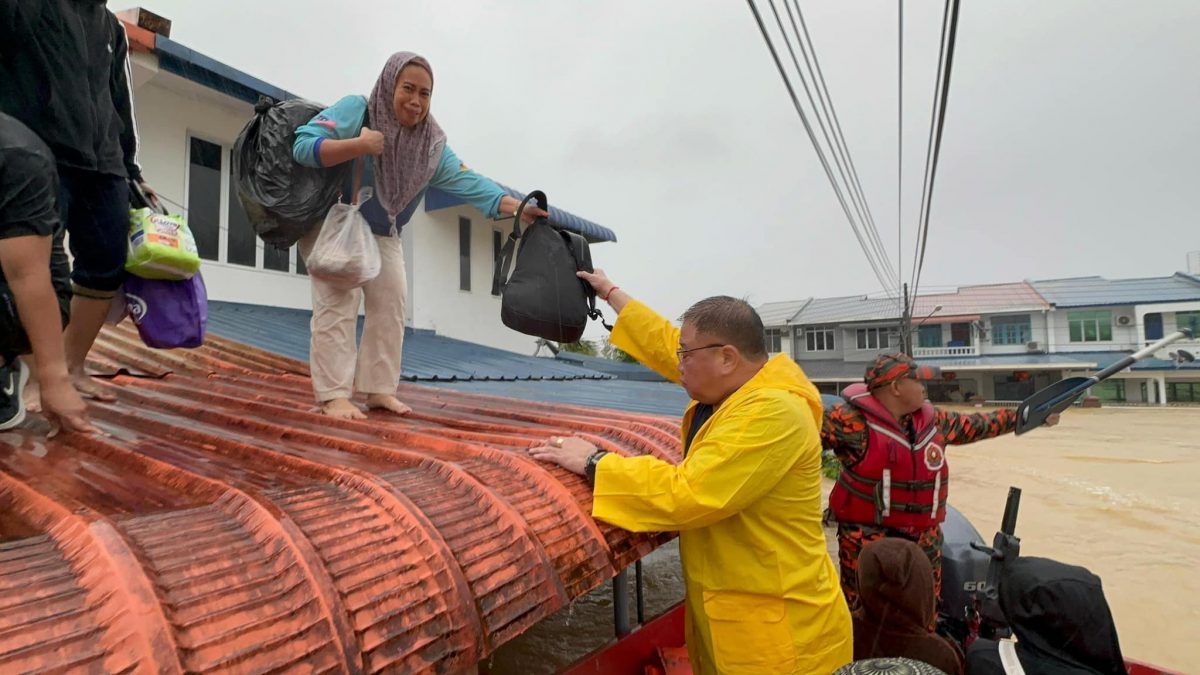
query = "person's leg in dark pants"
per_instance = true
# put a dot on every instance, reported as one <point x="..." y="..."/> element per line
<point x="95" y="209"/>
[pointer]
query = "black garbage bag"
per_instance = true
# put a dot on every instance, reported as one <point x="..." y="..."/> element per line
<point x="283" y="199"/>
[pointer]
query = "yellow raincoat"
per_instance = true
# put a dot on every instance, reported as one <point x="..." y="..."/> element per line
<point x="762" y="591"/>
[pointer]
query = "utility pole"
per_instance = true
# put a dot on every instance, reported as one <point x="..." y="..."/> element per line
<point x="906" y="326"/>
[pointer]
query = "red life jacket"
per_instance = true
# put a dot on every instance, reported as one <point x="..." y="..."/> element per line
<point x="897" y="483"/>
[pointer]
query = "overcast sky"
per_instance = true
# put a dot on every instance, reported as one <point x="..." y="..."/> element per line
<point x="1071" y="144"/>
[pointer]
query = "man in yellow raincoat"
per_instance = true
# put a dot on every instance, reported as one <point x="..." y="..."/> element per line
<point x="762" y="592"/>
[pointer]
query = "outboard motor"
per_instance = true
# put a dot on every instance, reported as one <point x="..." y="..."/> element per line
<point x="970" y="570"/>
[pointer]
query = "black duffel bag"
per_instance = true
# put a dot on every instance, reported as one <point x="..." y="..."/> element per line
<point x="544" y="297"/>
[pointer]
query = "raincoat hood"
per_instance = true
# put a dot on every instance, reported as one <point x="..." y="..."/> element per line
<point x="1061" y="619"/>
<point x="780" y="372"/>
<point x="895" y="583"/>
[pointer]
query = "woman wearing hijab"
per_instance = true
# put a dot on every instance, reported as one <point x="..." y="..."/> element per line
<point x="403" y="152"/>
<point x="895" y="586"/>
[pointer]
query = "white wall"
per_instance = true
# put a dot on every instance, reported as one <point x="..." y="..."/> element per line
<point x="170" y="110"/>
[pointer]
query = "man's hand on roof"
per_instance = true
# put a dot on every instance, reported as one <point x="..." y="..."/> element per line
<point x="569" y="452"/>
<point x="65" y="409"/>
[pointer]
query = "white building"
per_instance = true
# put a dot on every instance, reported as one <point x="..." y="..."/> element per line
<point x="190" y="109"/>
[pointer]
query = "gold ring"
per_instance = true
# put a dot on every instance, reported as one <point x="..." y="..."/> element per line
<point x="557" y="441"/>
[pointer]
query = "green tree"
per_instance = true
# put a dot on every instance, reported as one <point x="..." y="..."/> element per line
<point x="586" y="347"/>
<point x="615" y="353"/>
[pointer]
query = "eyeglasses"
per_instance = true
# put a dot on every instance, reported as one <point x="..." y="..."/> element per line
<point x="681" y="352"/>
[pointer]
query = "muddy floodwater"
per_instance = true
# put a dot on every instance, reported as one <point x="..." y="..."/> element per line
<point x="1116" y="490"/>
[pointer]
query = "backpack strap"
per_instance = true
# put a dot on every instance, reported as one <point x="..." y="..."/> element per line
<point x="510" y="246"/>
<point x="577" y="245"/>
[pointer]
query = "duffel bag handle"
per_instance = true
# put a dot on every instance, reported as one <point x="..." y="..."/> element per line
<point x="510" y="246"/>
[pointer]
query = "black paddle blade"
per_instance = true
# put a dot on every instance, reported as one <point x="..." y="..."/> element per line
<point x="1056" y="398"/>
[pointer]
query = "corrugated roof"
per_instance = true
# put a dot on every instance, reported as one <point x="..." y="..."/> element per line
<point x="436" y="199"/>
<point x="779" y="313"/>
<point x="1099" y="292"/>
<point x="427" y="356"/>
<point x="221" y="525"/>
<point x="983" y="299"/>
<point x="847" y="309"/>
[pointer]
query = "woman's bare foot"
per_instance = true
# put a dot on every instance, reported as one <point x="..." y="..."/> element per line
<point x="387" y="402"/>
<point x="343" y="409"/>
<point x="88" y="389"/>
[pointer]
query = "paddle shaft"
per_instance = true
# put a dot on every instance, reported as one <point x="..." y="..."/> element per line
<point x="1139" y="355"/>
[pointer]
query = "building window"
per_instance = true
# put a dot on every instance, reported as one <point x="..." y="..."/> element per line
<point x="774" y="339"/>
<point x="1183" y="392"/>
<point x="960" y="335"/>
<point x="241" y="243"/>
<point x="1154" y="326"/>
<point x="1011" y="330"/>
<point x="1091" y="326"/>
<point x="207" y="215"/>
<point x="929" y="337"/>
<point x="276" y="259"/>
<point x="819" y="339"/>
<point x="1110" y="390"/>
<point x="872" y="338"/>
<point x="464" y="254"/>
<point x="497" y="252"/>
<point x="1190" y="321"/>
<point x="204" y="197"/>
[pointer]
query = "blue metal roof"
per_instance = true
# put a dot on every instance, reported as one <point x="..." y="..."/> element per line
<point x="192" y="65"/>
<point x="436" y="199"/>
<point x="1101" y="292"/>
<point x="427" y="356"/>
<point x="656" y="398"/>
<point x="619" y="369"/>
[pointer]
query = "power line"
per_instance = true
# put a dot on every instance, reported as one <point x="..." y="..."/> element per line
<point x="875" y="254"/>
<point x="884" y="279"/>
<point x="899" y="142"/>
<point x="936" y="124"/>
<point x="814" y="67"/>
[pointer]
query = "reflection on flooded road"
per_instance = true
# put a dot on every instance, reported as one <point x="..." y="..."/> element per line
<point x="1116" y="490"/>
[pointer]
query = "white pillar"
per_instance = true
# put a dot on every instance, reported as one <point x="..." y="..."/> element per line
<point x="1162" y="389"/>
<point x="1051" y="343"/>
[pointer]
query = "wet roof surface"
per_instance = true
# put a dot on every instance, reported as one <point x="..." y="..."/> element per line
<point x="221" y="524"/>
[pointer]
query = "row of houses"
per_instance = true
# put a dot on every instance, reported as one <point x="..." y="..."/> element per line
<point x="1002" y="342"/>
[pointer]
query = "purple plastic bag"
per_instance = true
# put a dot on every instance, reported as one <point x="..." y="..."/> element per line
<point x="168" y="314"/>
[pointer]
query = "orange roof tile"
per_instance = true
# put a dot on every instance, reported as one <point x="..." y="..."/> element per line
<point x="221" y="524"/>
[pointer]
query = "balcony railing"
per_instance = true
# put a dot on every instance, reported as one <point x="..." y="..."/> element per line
<point x="972" y="350"/>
